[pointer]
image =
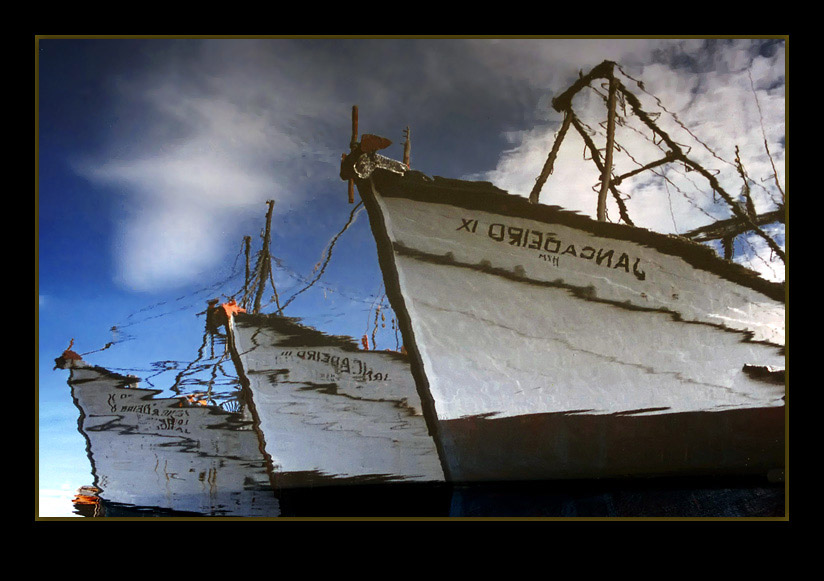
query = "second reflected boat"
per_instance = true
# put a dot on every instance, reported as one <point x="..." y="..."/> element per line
<point x="329" y="412"/>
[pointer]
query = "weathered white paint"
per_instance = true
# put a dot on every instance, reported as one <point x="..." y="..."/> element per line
<point x="494" y="345"/>
<point x="343" y="413"/>
<point x="153" y="452"/>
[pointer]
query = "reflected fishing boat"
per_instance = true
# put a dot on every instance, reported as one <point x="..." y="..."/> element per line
<point x="165" y="456"/>
<point x="549" y="345"/>
<point x="330" y="413"/>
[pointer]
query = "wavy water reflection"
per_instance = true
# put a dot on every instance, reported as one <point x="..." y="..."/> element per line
<point x="183" y="454"/>
<point x="295" y="433"/>
<point x="330" y="412"/>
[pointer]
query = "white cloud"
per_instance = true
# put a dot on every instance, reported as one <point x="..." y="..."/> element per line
<point x="213" y="132"/>
<point x="713" y="98"/>
<point x="212" y="138"/>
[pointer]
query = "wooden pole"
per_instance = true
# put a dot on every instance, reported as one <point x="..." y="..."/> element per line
<point x="679" y="155"/>
<point x="563" y="103"/>
<point x="351" y="191"/>
<point x="407" y="146"/>
<point x="265" y="264"/>
<point x="732" y="227"/>
<point x="622" y="209"/>
<point x="247" y="241"/>
<point x="606" y="175"/>
<point x="668" y="157"/>
<point x="353" y="143"/>
<point x="550" y="161"/>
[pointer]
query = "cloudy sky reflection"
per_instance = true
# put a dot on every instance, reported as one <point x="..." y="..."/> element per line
<point x="157" y="156"/>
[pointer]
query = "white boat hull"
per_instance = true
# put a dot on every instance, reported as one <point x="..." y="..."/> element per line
<point x="330" y="413"/>
<point x="548" y="345"/>
<point x="149" y="453"/>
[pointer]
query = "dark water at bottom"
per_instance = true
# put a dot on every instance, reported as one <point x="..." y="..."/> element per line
<point x="673" y="499"/>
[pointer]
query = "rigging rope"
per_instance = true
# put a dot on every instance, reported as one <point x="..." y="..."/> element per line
<point x="352" y="216"/>
<point x="675" y="151"/>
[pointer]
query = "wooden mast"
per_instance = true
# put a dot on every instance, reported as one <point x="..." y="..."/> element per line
<point x="563" y="104"/>
<point x="353" y="143"/>
<point x="407" y="146"/>
<point x="607" y="172"/>
<point x="550" y="162"/>
<point x="265" y="260"/>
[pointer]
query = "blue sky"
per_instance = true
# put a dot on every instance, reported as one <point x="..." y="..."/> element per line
<point x="156" y="156"/>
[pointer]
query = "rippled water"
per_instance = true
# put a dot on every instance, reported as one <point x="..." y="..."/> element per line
<point x="202" y="446"/>
<point x="317" y="413"/>
<point x="281" y="417"/>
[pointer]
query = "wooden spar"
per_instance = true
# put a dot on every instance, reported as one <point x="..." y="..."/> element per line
<point x="607" y="172"/>
<point x="596" y="159"/>
<point x="247" y="241"/>
<point x="666" y="159"/>
<point x="679" y="155"/>
<point x="353" y="143"/>
<point x="563" y="103"/>
<point x="550" y="160"/>
<point x="265" y="263"/>
<point x="606" y="70"/>
<point x="407" y="146"/>
<point x="732" y="227"/>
